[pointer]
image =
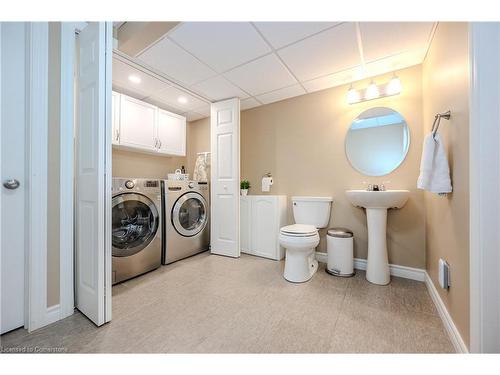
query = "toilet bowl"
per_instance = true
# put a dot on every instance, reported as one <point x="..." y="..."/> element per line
<point x="300" y="241"/>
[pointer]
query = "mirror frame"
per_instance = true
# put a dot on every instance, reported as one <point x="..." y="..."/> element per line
<point x="397" y="165"/>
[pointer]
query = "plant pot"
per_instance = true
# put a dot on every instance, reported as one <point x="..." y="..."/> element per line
<point x="244" y="192"/>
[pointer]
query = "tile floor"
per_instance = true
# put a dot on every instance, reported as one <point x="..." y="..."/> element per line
<point x="213" y="304"/>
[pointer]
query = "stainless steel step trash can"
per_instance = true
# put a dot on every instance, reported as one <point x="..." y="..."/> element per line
<point x="340" y="249"/>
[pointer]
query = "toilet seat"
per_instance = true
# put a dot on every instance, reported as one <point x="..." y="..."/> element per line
<point x="299" y="230"/>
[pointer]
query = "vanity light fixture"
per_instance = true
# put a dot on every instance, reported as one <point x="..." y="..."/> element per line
<point x="353" y="95"/>
<point x="134" y="79"/>
<point x="374" y="91"/>
<point x="394" y="86"/>
<point x="182" y="99"/>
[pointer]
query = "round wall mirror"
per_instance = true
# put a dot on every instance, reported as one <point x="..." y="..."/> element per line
<point x="377" y="141"/>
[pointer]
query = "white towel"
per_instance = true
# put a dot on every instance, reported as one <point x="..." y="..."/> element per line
<point x="200" y="169"/>
<point x="434" y="168"/>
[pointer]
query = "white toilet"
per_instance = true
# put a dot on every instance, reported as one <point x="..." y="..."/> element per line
<point x="301" y="239"/>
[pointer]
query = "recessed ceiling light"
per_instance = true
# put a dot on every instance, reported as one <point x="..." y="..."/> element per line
<point x="134" y="79"/>
<point x="182" y="99"/>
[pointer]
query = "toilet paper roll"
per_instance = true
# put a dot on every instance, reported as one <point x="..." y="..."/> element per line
<point x="266" y="183"/>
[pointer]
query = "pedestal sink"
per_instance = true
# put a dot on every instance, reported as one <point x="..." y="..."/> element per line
<point x="376" y="204"/>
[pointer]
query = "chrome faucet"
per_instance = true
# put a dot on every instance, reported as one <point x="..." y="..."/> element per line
<point x="375" y="187"/>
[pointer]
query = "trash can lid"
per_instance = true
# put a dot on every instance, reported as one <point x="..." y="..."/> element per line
<point x="340" y="232"/>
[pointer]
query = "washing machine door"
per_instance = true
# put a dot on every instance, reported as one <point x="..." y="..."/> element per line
<point x="190" y="214"/>
<point x="135" y="221"/>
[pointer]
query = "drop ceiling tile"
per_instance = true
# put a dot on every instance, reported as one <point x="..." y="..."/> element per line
<point x="328" y="52"/>
<point x="249" y="103"/>
<point x="280" y="34"/>
<point x="382" y="39"/>
<point x="395" y="62"/>
<point x="193" y="116"/>
<point x="261" y="75"/>
<point x="221" y="45"/>
<point x="335" y="79"/>
<point x="205" y="110"/>
<point x="166" y="106"/>
<point x="148" y="85"/>
<point x="171" y="95"/>
<point x="176" y="63"/>
<point x="281" y="94"/>
<point x="218" y="88"/>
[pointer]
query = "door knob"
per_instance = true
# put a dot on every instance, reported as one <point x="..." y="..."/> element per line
<point x="11" y="184"/>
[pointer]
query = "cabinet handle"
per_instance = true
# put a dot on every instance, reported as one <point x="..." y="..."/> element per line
<point x="11" y="184"/>
<point x="159" y="140"/>
<point x="117" y="135"/>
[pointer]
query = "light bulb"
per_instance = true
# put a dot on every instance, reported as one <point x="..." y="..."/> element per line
<point x="372" y="91"/>
<point x="182" y="99"/>
<point x="353" y="96"/>
<point x="394" y="86"/>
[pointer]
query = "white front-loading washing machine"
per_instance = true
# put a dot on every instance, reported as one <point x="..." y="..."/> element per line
<point x="136" y="227"/>
<point x="186" y="229"/>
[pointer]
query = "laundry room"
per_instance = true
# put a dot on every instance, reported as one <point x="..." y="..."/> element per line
<point x="160" y="202"/>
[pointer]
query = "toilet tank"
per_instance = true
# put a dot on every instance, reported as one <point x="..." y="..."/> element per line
<point x="312" y="210"/>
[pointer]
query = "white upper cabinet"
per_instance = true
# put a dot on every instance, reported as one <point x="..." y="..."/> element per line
<point x="137" y="123"/>
<point x="171" y="133"/>
<point x="115" y="117"/>
<point x="144" y="127"/>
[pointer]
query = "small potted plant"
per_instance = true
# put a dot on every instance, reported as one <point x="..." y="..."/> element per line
<point x="244" y="186"/>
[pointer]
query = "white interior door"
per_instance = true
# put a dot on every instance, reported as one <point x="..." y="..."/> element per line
<point x="12" y="201"/>
<point x="225" y="176"/>
<point x="93" y="125"/>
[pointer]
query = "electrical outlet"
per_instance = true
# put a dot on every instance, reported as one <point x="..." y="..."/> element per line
<point x="444" y="274"/>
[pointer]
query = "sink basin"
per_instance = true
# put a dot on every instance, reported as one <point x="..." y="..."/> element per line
<point x="376" y="204"/>
<point x="378" y="199"/>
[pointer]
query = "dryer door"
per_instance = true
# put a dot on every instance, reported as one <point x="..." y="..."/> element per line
<point x="189" y="214"/>
<point x="135" y="223"/>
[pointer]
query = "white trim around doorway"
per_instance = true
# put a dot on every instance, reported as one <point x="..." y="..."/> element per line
<point x="37" y="314"/>
<point x="484" y="180"/>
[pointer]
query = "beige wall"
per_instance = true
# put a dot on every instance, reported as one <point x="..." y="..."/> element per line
<point x="136" y="164"/>
<point x="446" y="86"/>
<point x="198" y="140"/>
<point x="53" y="191"/>
<point x="301" y="142"/>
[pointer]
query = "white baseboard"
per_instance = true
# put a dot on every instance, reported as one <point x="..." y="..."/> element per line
<point x="450" y="326"/>
<point x="411" y="273"/>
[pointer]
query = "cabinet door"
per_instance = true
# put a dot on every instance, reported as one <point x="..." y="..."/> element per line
<point x="115" y="115"/>
<point x="264" y="229"/>
<point x="245" y="224"/>
<point x="137" y="124"/>
<point x="171" y="133"/>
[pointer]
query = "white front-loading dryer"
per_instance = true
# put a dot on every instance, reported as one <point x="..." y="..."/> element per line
<point x="186" y="222"/>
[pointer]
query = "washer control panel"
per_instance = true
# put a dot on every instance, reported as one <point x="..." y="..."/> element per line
<point x="129" y="184"/>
